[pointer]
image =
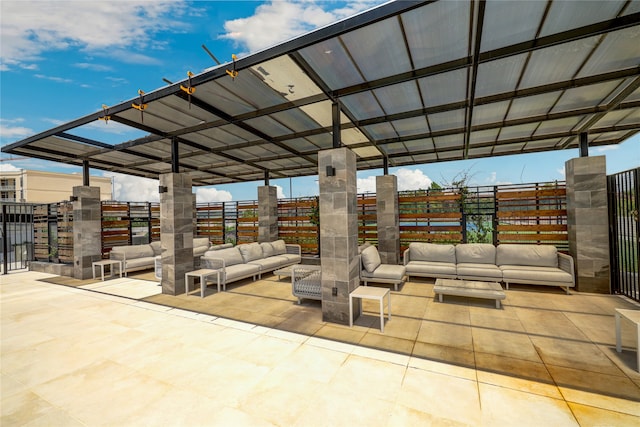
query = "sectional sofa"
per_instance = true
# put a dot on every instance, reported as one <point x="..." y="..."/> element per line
<point x="142" y="257"/>
<point x="508" y="263"/>
<point x="251" y="260"/>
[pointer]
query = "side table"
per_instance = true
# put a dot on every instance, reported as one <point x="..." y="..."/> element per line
<point x="634" y="317"/>
<point x="203" y="273"/>
<point x="369" y="292"/>
<point x="102" y="263"/>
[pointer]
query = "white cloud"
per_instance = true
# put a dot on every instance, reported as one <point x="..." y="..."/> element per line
<point x="92" y="66"/>
<point x="282" y="20"/>
<point x="210" y="194"/>
<point x="53" y="78"/>
<point x="415" y="179"/>
<point x="9" y="130"/>
<point x="31" y="28"/>
<point x="280" y="192"/>
<point x="561" y="172"/>
<point x="492" y="179"/>
<point x="7" y="167"/>
<point x="129" y="188"/>
<point x="366" y="185"/>
<point x="605" y="148"/>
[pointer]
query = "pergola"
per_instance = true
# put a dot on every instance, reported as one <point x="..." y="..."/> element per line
<point x="406" y="83"/>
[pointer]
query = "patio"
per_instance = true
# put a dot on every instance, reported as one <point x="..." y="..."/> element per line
<point x="252" y="356"/>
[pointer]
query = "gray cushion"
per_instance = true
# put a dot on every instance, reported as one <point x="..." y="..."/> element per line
<point x="144" y="262"/>
<point x="279" y="247"/>
<point x="131" y="252"/>
<point x="157" y="248"/>
<point x="370" y="259"/>
<point x="529" y="255"/>
<point x="431" y="269"/>
<point x="231" y="256"/>
<point x="432" y="252"/>
<point x="270" y="263"/>
<point x="241" y="270"/>
<point x="535" y="274"/>
<point x="222" y="246"/>
<point x="201" y="241"/>
<point x="386" y="271"/>
<point x="476" y="253"/>
<point x="267" y="249"/>
<point x="250" y="251"/>
<point x="363" y="246"/>
<point x="478" y="270"/>
<point x="291" y="258"/>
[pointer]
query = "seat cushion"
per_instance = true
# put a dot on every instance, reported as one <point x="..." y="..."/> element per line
<point x="386" y="271"/>
<point x="291" y="258"/>
<point x="145" y="262"/>
<point x="480" y="271"/>
<point x="267" y="249"/>
<point x="370" y="259"/>
<point x="270" y="263"/>
<point x="527" y="255"/>
<point x="535" y="274"/>
<point x="432" y="252"/>
<point x="201" y="241"/>
<point x="131" y="252"/>
<point x="157" y="248"/>
<point x="431" y="269"/>
<point x="240" y="271"/>
<point x="250" y="251"/>
<point x="476" y="253"/>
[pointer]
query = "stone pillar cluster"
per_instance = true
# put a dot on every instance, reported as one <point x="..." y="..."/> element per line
<point x="87" y="228"/>
<point x="176" y="231"/>
<point x="267" y="213"/>
<point x="338" y="233"/>
<point x="388" y="218"/>
<point x="588" y="222"/>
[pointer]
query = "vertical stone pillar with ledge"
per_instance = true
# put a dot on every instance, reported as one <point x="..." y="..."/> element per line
<point x="338" y="233"/>
<point x="176" y="231"/>
<point x="388" y="219"/>
<point x="588" y="222"/>
<point x="87" y="229"/>
<point x="267" y="213"/>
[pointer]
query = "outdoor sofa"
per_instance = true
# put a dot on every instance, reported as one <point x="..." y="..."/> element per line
<point x="251" y="260"/>
<point x="508" y="263"/>
<point x="143" y="257"/>
<point x="373" y="270"/>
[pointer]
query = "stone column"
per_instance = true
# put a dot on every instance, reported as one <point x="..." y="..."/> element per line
<point x="588" y="222"/>
<point x="267" y="213"/>
<point x="338" y="233"/>
<point x="87" y="228"/>
<point x="176" y="231"/>
<point x="388" y="219"/>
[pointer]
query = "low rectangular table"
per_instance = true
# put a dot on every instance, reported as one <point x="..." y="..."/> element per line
<point x="102" y="263"/>
<point x="634" y="317"/>
<point x="286" y="271"/>
<point x="203" y="273"/>
<point x="468" y="288"/>
<point x="370" y="292"/>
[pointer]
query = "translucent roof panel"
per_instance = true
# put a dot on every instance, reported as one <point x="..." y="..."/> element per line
<point x="412" y="126"/>
<point x="446" y="120"/>
<point x="565" y="15"/>
<point x="490" y="113"/>
<point x="484" y="136"/>
<point x="532" y="105"/>
<point x="618" y="50"/>
<point x="557" y="63"/>
<point x="523" y="18"/>
<point x="444" y="88"/>
<point x="363" y="105"/>
<point x="249" y="86"/>
<point x="581" y="97"/>
<point x="334" y="65"/>
<point x="520" y="131"/>
<point x="555" y="126"/>
<point x="219" y="97"/>
<point x="499" y="76"/>
<point x="321" y="113"/>
<point x="296" y="120"/>
<point x="367" y="152"/>
<point x="269" y="126"/>
<point x="438" y="33"/>
<point x="283" y="76"/>
<point x="399" y="98"/>
<point x="384" y="41"/>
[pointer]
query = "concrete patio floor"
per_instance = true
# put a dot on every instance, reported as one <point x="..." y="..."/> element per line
<point x="119" y="353"/>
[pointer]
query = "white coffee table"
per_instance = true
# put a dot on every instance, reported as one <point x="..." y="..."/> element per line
<point x="634" y="317"/>
<point x="203" y="273"/>
<point x="102" y="263"/>
<point x="370" y="292"/>
<point x="469" y="288"/>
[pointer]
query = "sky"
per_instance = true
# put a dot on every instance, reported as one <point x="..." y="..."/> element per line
<point x="61" y="60"/>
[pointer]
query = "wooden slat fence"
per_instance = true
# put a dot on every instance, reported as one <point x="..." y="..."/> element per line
<point x="296" y="223"/>
<point x="247" y="229"/>
<point x="53" y="232"/>
<point x="367" y="219"/>
<point x="210" y="221"/>
<point x="126" y="223"/>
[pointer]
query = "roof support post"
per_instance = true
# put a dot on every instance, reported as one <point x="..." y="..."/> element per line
<point x="584" y="144"/>
<point x="266" y="177"/>
<point x="385" y="165"/>
<point x="175" y="155"/>
<point x="335" y="117"/>
<point x="85" y="173"/>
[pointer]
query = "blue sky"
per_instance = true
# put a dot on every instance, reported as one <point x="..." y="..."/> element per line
<point x="61" y="60"/>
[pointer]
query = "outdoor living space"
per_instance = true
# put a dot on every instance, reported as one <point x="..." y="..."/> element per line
<point x="545" y="357"/>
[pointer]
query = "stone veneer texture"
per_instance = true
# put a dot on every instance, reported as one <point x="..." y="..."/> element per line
<point x="588" y="222"/>
<point x="388" y="219"/>
<point x="267" y="213"/>
<point x="338" y="233"/>
<point x="176" y="231"/>
<point x="87" y="228"/>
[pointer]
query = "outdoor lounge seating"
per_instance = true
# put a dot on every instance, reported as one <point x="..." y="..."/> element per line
<point x="143" y="257"/>
<point x="508" y="263"/>
<point x="372" y="269"/>
<point x="251" y="260"/>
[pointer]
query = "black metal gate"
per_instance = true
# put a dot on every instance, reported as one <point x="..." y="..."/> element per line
<point x="624" y="230"/>
<point x="16" y="236"/>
